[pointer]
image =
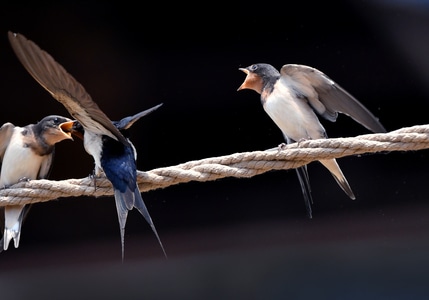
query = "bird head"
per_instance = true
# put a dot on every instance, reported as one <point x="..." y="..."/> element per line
<point x="55" y="129"/>
<point x="257" y="76"/>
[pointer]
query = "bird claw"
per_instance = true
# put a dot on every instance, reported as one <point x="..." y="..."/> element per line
<point x="301" y="140"/>
<point x="95" y="174"/>
<point x="282" y="146"/>
<point x="94" y="177"/>
<point x="24" y="179"/>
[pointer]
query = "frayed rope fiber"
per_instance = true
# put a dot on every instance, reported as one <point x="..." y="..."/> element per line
<point x="240" y="165"/>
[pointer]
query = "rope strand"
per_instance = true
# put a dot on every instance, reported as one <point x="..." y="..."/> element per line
<point x="240" y="165"/>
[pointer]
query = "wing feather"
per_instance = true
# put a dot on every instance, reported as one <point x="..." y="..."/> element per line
<point x="327" y="97"/>
<point x="6" y="131"/>
<point x="63" y="87"/>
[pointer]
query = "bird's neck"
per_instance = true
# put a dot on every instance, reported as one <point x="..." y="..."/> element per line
<point x="267" y="88"/>
<point x="35" y="140"/>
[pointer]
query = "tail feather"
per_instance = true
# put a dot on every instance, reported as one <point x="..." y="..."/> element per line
<point x="141" y="207"/>
<point x="306" y="189"/>
<point x="304" y="181"/>
<point x="332" y="166"/>
<point x="13" y="216"/>
<point x="121" y="200"/>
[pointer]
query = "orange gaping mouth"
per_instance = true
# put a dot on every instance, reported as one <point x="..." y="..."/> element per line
<point x="67" y="128"/>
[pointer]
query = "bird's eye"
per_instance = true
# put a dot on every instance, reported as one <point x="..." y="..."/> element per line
<point x="253" y="67"/>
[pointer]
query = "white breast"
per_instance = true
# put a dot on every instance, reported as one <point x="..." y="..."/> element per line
<point x="93" y="145"/>
<point x="18" y="161"/>
<point x="295" y="118"/>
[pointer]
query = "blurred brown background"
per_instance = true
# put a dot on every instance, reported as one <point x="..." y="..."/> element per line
<point x="231" y="238"/>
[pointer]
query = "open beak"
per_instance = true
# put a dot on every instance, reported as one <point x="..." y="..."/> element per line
<point x="66" y="128"/>
<point x="244" y="84"/>
<point x="77" y="129"/>
<point x="244" y="70"/>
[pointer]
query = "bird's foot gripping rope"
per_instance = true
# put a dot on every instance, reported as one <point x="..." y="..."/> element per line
<point x="239" y="165"/>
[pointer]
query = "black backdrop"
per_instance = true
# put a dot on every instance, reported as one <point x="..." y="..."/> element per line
<point x="230" y="237"/>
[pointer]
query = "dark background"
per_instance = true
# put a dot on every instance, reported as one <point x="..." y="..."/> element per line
<point x="232" y="237"/>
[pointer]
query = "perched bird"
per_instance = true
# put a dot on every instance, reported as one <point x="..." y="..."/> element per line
<point x="293" y="97"/>
<point x="26" y="154"/>
<point x="113" y="154"/>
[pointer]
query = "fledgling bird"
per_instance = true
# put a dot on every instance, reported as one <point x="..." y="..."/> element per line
<point x="293" y="97"/>
<point x="27" y="153"/>
<point x="113" y="154"/>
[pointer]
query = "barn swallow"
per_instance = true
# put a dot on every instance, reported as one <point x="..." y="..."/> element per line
<point x="113" y="154"/>
<point x="27" y="153"/>
<point x="293" y="97"/>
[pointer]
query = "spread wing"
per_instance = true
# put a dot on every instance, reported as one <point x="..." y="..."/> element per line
<point x="327" y="98"/>
<point x="63" y="87"/>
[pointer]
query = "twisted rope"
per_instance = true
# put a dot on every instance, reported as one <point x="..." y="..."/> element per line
<point x="240" y="165"/>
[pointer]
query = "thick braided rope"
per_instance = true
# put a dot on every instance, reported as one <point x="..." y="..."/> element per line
<point x="240" y="165"/>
